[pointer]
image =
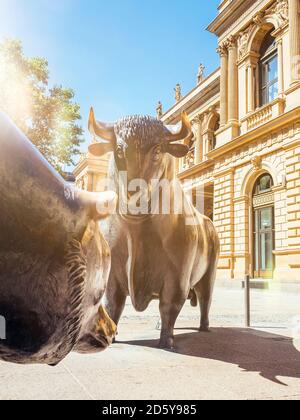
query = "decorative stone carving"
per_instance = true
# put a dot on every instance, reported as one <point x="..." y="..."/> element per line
<point x="222" y="49"/>
<point x="281" y="9"/>
<point x="259" y="19"/>
<point x="197" y="120"/>
<point x="256" y="162"/>
<point x="242" y="42"/>
<point x="264" y="200"/>
<point x="231" y="41"/>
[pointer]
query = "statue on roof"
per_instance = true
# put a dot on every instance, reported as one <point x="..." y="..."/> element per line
<point x="178" y="95"/>
<point x="200" y="74"/>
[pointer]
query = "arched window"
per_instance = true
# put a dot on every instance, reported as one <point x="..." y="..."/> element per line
<point x="263" y="184"/>
<point x="268" y="66"/>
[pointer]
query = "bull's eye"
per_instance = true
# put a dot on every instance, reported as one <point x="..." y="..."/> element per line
<point x="157" y="153"/>
<point x="120" y="153"/>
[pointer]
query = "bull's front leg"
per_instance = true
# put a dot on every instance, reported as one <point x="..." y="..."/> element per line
<point x="114" y="299"/>
<point x="171" y="304"/>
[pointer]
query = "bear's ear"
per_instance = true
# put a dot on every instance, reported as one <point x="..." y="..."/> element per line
<point x="177" y="150"/>
<point x="100" y="149"/>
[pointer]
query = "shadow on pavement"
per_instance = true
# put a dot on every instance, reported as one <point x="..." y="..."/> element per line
<point x="270" y="355"/>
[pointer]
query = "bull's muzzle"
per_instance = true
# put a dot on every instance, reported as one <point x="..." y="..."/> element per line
<point x="101" y="335"/>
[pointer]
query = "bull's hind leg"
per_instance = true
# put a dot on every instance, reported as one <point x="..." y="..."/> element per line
<point x="204" y="291"/>
<point x="171" y="304"/>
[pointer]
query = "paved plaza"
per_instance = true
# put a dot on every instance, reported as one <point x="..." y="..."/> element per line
<point x="232" y="362"/>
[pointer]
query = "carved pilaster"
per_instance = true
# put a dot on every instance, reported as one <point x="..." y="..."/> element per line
<point x="197" y="123"/>
<point x="222" y="50"/>
<point x="294" y="40"/>
<point x="232" y="80"/>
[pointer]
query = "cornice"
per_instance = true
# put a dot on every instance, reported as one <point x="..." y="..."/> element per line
<point x="227" y="16"/>
<point x="196" y="169"/>
<point x="287" y="251"/>
<point x="237" y="17"/>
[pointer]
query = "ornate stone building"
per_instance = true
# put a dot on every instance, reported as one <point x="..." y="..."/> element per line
<point x="246" y="154"/>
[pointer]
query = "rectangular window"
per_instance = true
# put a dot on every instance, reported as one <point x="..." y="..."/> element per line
<point x="269" y="79"/>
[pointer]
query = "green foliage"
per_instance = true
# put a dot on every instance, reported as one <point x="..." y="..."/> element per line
<point x="47" y="115"/>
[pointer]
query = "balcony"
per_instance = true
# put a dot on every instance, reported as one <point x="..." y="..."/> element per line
<point x="263" y="115"/>
<point x="260" y="117"/>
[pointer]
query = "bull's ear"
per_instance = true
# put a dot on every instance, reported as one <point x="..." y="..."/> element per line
<point x="177" y="150"/>
<point x="100" y="149"/>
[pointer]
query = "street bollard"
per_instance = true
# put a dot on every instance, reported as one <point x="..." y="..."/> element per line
<point x="247" y="302"/>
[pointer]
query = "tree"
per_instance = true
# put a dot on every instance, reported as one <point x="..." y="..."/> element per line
<point x="47" y="115"/>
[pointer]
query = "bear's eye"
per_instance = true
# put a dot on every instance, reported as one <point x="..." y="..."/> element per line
<point x="157" y="153"/>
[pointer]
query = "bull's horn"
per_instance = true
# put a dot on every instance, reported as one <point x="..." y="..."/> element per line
<point x="185" y="133"/>
<point x="102" y="130"/>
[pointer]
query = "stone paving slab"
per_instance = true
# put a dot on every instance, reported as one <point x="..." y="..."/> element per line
<point x="230" y="363"/>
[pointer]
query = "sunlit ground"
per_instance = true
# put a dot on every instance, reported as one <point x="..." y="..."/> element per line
<point x="232" y="362"/>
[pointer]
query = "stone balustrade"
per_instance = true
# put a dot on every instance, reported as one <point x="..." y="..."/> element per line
<point x="260" y="117"/>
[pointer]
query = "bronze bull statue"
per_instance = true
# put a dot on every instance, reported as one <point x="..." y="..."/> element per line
<point x="54" y="261"/>
<point x="158" y="255"/>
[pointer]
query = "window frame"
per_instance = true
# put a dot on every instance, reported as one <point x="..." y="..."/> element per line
<point x="270" y="53"/>
<point x="256" y="189"/>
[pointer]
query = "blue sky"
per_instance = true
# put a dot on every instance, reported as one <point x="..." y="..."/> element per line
<point x="121" y="56"/>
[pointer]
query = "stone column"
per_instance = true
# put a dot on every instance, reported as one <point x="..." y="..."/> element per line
<point x="224" y="85"/>
<point x="280" y="68"/>
<point x="232" y="81"/>
<point x="253" y="83"/>
<point x="257" y="87"/>
<point x="90" y="186"/>
<point x="199" y="140"/>
<point x="250" y="88"/>
<point x="294" y="40"/>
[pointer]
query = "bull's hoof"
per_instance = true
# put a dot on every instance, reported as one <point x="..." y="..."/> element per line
<point x="205" y="329"/>
<point x="166" y="343"/>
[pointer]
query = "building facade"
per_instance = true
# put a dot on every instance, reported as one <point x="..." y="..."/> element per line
<point x="90" y="171"/>
<point x="246" y="152"/>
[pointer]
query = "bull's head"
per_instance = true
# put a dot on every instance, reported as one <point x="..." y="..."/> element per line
<point x="141" y="145"/>
<point x="54" y="261"/>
